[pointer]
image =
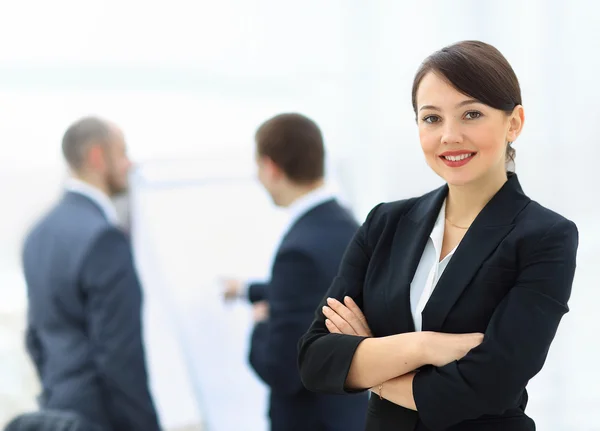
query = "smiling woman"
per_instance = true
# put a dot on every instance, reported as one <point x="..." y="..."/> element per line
<point x="445" y="305"/>
<point x="464" y="118"/>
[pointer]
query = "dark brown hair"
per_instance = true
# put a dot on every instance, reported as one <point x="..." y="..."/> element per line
<point x="478" y="70"/>
<point x="295" y="144"/>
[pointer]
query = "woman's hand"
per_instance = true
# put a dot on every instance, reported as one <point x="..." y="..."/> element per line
<point x="441" y="349"/>
<point x="346" y="318"/>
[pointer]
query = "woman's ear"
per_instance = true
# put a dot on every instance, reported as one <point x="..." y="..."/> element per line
<point x="515" y="123"/>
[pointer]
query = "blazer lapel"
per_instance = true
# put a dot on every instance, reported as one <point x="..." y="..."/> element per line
<point x="407" y="247"/>
<point x="490" y="227"/>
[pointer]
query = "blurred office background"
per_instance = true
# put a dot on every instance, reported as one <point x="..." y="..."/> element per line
<point x="189" y="82"/>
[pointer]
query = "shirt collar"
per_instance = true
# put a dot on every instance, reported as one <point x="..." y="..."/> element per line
<point x="95" y="195"/>
<point x="437" y="233"/>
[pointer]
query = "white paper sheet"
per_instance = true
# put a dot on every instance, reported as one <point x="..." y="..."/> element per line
<point x="188" y="234"/>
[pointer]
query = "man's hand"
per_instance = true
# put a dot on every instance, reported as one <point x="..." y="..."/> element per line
<point x="232" y="289"/>
<point x="260" y="311"/>
<point x="346" y="318"/>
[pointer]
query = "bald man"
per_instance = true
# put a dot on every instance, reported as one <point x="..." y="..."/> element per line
<point x="84" y="319"/>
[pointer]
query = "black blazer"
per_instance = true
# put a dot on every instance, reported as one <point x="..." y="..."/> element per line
<point x="509" y="278"/>
<point x="304" y="267"/>
<point x="84" y="331"/>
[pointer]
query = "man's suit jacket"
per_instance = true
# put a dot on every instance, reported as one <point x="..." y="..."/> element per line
<point x="50" y="420"/>
<point x="84" y="330"/>
<point x="257" y="292"/>
<point x="509" y="278"/>
<point x="304" y="266"/>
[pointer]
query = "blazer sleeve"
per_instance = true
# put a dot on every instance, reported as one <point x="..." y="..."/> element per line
<point x="293" y="291"/>
<point x="33" y="343"/>
<point x="324" y="359"/>
<point x="257" y="292"/>
<point x="492" y="377"/>
<point x="34" y="347"/>
<point x="114" y="301"/>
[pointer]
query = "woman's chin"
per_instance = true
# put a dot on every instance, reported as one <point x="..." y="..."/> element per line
<point x="457" y="179"/>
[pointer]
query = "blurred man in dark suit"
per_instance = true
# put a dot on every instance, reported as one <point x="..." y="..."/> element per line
<point x="291" y="167"/>
<point x="84" y="327"/>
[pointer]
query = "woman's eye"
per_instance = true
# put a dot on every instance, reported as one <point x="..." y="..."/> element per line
<point x="472" y="115"/>
<point x="431" y="119"/>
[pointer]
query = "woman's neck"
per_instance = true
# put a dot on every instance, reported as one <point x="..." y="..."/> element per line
<point x="465" y="202"/>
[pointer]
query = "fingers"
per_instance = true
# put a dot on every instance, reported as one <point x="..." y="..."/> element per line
<point x="344" y="312"/>
<point x="338" y="321"/>
<point x="358" y="313"/>
<point x="331" y="327"/>
<point x="260" y="311"/>
<point x="347" y="321"/>
<point x="231" y="288"/>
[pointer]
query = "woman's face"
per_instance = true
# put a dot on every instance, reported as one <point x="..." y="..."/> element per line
<point x="463" y="140"/>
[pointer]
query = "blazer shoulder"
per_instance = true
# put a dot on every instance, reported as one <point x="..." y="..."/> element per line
<point x="540" y="220"/>
<point x="108" y="239"/>
<point x="108" y="251"/>
<point x="327" y="222"/>
<point x="541" y="230"/>
<point x="389" y="213"/>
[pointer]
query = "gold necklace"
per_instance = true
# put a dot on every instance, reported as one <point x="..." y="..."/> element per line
<point x="456" y="226"/>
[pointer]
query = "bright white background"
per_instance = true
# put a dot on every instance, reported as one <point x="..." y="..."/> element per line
<point x="189" y="79"/>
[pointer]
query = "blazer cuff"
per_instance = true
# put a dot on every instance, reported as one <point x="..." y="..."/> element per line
<point x="254" y="292"/>
<point x="349" y="344"/>
<point x="424" y="407"/>
<point x="436" y="401"/>
<point x="334" y="367"/>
